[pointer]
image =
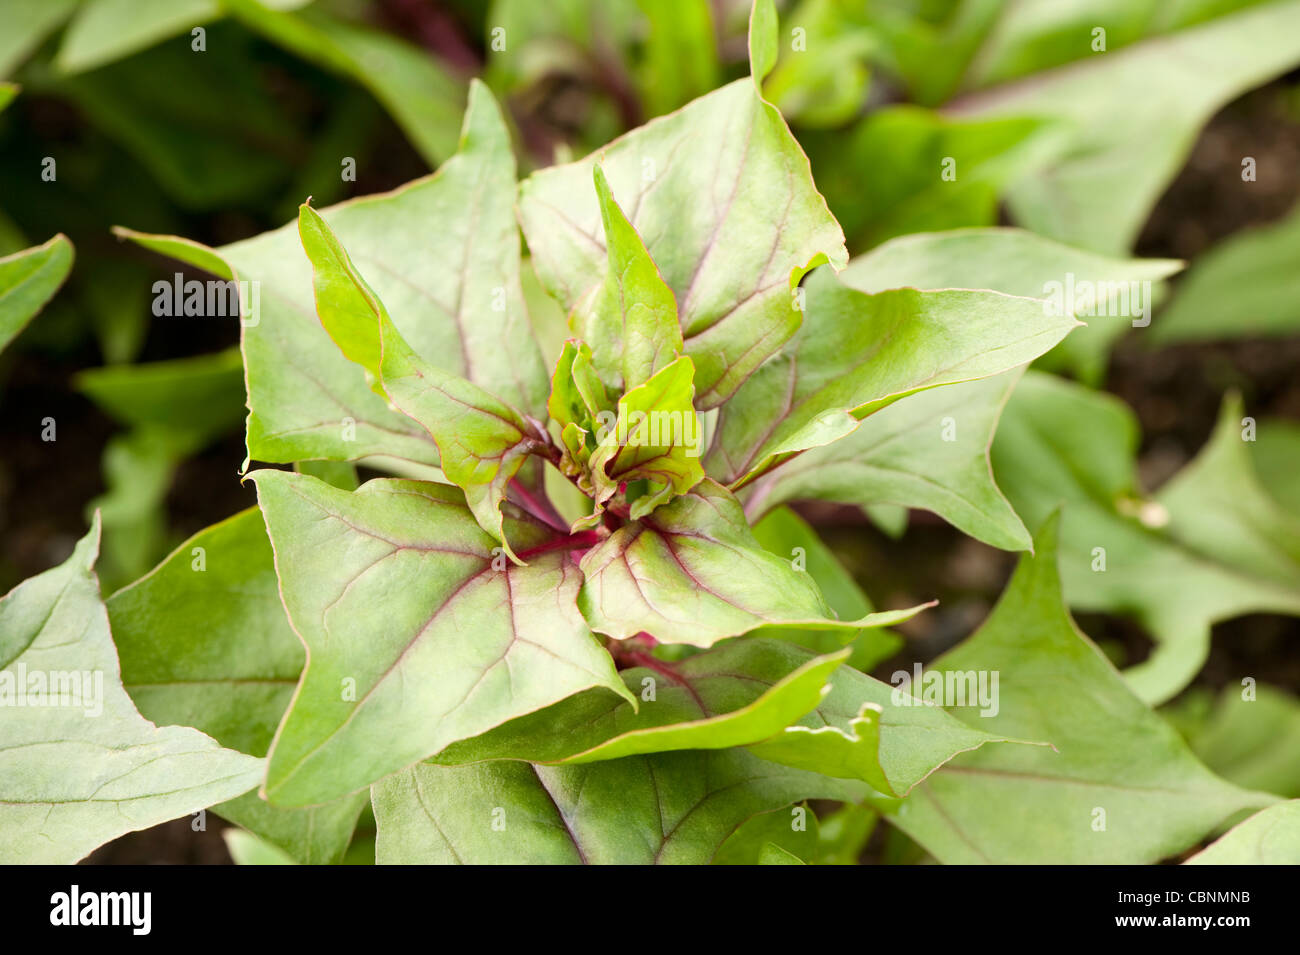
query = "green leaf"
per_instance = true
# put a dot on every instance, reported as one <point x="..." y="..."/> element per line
<point x="204" y="642"/>
<point x="722" y="196"/>
<point x="656" y="438"/>
<point x="1117" y="162"/>
<point x="828" y="87"/>
<point x="77" y="774"/>
<point x="439" y="253"/>
<point x="736" y="694"/>
<point x="670" y="808"/>
<point x="24" y="24"/>
<point x="629" y="319"/>
<point x="28" y="280"/>
<point x="1253" y="742"/>
<point x="1021" y="263"/>
<point x="419" y="93"/>
<point x="7" y="93"/>
<point x="1270" y="837"/>
<point x="1277" y="458"/>
<point x="681" y="53"/>
<point x="1158" y="567"/>
<point x="693" y="573"/>
<point x="395" y="585"/>
<point x="1245" y="287"/>
<point x="201" y="397"/>
<point x="857" y="353"/>
<point x="482" y="441"/>
<point x="1118" y="786"/>
<point x="843" y="834"/>
<point x="793" y="831"/>
<point x="247" y="849"/>
<point x="772" y="854"/>
<point x="928" y="451"/>
<point x="785" y="534"/>
<point x="930" y="172"/>
<point x="106" y="30"/>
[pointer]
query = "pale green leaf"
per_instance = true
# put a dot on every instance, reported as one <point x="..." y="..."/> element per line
<point x="77" y="774"/>
<point x="693" y="573"/>
<point x="1059" y="442"/>
<point x="419" y="633"/>
<point x="28" y="280"/>
<point x="1270" y="837"/>
<point x="1118" y="785"/>
<point x="857" y="353"/>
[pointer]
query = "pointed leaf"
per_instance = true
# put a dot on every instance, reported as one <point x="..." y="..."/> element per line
<point x="723" y="197"/>
<point x="416" y="635"/>
<point x="1157" y="565"/>
<point x="929" y="451"/>
<point x="29" y="279"/>
<point x="857" y="353"/>
<point x="204" y="642"/>
<point x="693" y="573"/>
<point x="77" y="774"/>
<point x="1119" y="785"/>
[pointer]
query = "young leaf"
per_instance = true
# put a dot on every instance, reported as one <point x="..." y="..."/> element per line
<point x="669" y="808"/>
<point x="693" y="573"/>
<point x="723" y="197"/>
<point x="204" y="642"/>
<point x="1253" y="742"/>
<point x="482" y="441"/>
<point x="793" y="830"/>
<point x="88" y="767"/>
<point x="28" y="280"/>
<point x="1091" y="798"/>
<point x="930" y="451"/>
<point x="1123" y="554"/>
<point x="857" y="353"/>
<point x="629" y="319"/>
<point x="1269" y="837"/>
<point x="395" y="586"/>
<point x="656" y="438"/>
<point x="442" y="254"/>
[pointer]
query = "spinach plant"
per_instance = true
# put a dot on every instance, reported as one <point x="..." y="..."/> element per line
<point x="575" y="622"/>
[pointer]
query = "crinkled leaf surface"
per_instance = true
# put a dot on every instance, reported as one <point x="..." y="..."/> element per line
<point x="75" y="776"/>
<point x="723" y="198"/>
<point x="760" y="692"/>
<point x="1133" y="115"/>
<point x="28" y="280"/>
<point x="1027" y="804"/>
<point x="929" y="450"/>
<point x="857" y="353"/>
<point x="739" y="693"/>
<point x="693" y="573"/>
<point x="418" y="632"/>
<point x="204" y="642"/>
<point x="441" y="253"/>
<point x="669" y="808"/>
<point x="1270" y="837"/>
<point x="1062" y="443"/>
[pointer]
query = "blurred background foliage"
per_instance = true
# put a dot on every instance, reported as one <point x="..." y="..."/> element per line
<point x="213" y="119"/>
